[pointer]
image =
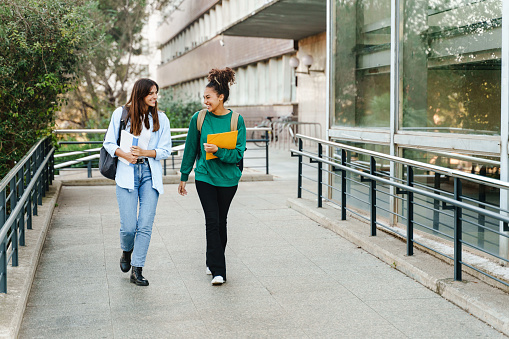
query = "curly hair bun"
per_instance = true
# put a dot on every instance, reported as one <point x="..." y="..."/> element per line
<point x="224" y="77"/>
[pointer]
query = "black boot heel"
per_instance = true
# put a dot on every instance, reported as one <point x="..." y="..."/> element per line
<point x="125" y="261"/>
<point x="137" y="278"/>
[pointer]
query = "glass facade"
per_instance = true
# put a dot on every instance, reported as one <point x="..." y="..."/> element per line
<point x="361" y="63"/>
<point x="435" y="97"/>
<point x="451" y="61"/>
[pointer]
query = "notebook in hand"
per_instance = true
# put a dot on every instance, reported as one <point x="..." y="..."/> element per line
<point x="226" y="140"/>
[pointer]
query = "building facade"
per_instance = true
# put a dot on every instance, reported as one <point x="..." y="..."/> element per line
<point x="206" y="34"/>
<point x="426" y="80"/>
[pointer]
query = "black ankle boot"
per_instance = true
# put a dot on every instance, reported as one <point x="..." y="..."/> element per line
<point x="125" y="261"/>
<point x="137" y="278"/>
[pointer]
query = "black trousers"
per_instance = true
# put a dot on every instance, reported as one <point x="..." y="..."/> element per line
<point x="216" y="203"/>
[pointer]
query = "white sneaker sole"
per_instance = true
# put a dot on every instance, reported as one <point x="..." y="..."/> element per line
<point x="208" y="271"/>
<point x="217" y="282"/>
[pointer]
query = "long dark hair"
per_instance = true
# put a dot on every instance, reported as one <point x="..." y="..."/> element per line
<point x="138" y="109"/>
<point x="221" y="80"/>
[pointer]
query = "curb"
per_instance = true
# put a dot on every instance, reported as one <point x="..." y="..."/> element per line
<point x="474" y="303"/>
<point x="19" y="279"/>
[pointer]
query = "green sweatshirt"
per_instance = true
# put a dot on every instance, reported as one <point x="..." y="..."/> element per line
<point x="221" y="171"/>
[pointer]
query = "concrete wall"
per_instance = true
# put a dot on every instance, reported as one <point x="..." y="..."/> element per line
<point x="189" y="11"/>
<point x="311" y="88"/>
<point x="236" y="52"/>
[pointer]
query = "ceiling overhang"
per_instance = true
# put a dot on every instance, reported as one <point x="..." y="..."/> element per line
<point x="282" y="19"/>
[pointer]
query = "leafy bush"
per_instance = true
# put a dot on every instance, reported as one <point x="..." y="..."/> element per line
<point x="179" y="111"/>
<point x="41" y="45"/>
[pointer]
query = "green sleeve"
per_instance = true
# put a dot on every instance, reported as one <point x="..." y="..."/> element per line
<point x="233" y="156"/>
<point x="192" y="144"/>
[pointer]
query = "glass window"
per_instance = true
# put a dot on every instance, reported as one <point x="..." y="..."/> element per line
<point x="451" y="65"/>
<point x="431" y="212"/>
<point x="361" y="62"/>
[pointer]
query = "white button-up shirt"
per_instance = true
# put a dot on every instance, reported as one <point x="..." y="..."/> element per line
<point x="160" y="141"/>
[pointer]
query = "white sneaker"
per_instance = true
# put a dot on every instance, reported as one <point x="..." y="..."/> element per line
<point x="218" y="280"/>
<point x="208" y="271"/>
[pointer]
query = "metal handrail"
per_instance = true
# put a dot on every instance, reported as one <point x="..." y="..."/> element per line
<point x="21" y="202"/>
<point x="441" y="200"/>
<point x="408" y="188"/>
<point x="7" y="179"/>
<point x="28" y="181"/>
<point x="103" y="130"/>
<point x="182" y="131"/>
<point x="443" y="170"/>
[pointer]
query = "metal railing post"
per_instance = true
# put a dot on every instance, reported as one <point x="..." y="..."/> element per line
<point x="481" y="219"/>
<point x="39" y="180"/>
<point x="267" y="153"/>
<point x="29" y="200"/>
<point x="29" y="214"/>
<point x="52" y="166"/>
<point x="3" y="267"/>
<point x="436" y="203"/>
<point x="15" y="243"/>
<point x="3" y="207"/>
<point x="372" y="195"/>
<point x="46" y="167"/>
<point x="164" y="161"/>
<point x="343" y="185"/>
<point x="22" y="227"/>
<point x="89" y="166"/>
<point x="410" y="212"/>
<point x="13" y="192"/>
<point x="320" y="175"/>
<point x="457" y="231"/>
<point x="35" y="188"/>
<point x="299" y="178"/>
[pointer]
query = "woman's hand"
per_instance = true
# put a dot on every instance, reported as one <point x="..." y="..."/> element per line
<point x="139" y="152"/>
<point x="210" y="148"/>
<point x="130" y="157"/>
<point x="182" y="188"/>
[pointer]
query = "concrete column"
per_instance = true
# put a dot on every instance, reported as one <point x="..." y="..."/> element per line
<point x="287" y="79"/>
<point x="262" y="87"/>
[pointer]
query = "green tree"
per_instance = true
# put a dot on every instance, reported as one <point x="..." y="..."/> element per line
<point x="105" y="77"/>
<point x="42" y="42"/>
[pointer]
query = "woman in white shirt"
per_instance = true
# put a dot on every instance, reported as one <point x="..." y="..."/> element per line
<point x="139" y="178"/>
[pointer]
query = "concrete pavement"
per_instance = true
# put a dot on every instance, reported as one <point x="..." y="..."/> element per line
<point x="287" y="277"/>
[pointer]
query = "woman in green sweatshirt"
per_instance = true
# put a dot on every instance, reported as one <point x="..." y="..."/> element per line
<point x="216" y="179"/>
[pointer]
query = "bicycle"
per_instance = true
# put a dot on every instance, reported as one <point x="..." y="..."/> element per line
<point x="259" y="135"/>
<point x="277" y="129"/>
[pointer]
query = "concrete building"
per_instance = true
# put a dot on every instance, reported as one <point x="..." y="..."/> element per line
<point x="426" y="80"/>
<point x="257" y="38"/>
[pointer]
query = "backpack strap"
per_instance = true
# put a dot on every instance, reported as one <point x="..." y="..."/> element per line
<point x="234" y="122"/>
<point x="124" y="118"/>
<point x="201" y="118"/>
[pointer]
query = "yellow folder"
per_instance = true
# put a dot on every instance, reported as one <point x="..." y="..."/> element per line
<point x="226" y="140"/>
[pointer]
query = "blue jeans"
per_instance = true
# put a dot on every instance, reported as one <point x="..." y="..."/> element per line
<point x="136" y="228"/>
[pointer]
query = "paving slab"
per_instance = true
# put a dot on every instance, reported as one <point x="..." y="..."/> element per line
<point x="288" y="277"/>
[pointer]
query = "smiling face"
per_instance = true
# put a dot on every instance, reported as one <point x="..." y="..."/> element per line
<point x="212" y="100"/>
<point x="151" y="98"/>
